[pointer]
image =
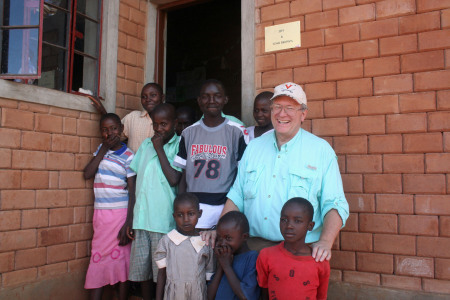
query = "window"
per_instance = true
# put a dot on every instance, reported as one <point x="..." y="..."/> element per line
<point x="52" y="43"/>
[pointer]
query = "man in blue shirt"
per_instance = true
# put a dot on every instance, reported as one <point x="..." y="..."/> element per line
<point x="290" y="163"/>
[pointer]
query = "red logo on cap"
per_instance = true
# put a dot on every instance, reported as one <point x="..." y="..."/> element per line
<point x="288" y="86"/>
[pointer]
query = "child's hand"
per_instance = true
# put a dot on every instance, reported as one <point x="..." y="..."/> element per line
<point x="209" y="236"/>
<point x="130" y="233"/>
<point x="157" y="141"/>
<point x="111" y="141"/>
<point x="98" y="105"/>
<point x="123" y="235"/>
<point x="224" y="255"/>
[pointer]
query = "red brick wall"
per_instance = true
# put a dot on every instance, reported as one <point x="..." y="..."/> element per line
<point x="376" y="74"/>
<point x="131" y="55"/>
<point x="45" y="204"/>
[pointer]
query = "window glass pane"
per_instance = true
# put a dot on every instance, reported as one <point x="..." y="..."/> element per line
<point x="20" y="12"/>
<point x="60" y="3"/>
<point x="88" y="8"/>
<point x="85" y="73"/>
<point x="19" y="51"/>
<point x="86" y="36"/>
<point x="55" y="27"/>
<point x="53" y="66"/>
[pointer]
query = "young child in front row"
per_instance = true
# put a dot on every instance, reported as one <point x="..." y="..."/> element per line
<point x="261" y="113"/>
<point x="185" y="262"/>
<point x="235" y="276"/>
<point x="287" y="270"/>
<point x="114" y="186"/>
<point x="151" y="215"/>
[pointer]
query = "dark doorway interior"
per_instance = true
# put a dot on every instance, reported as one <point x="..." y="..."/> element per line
<point x="203" y="42"/>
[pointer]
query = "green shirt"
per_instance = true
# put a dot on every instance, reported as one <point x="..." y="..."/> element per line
<point x="154" y="195"/>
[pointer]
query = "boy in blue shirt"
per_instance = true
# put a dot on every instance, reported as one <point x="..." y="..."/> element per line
<point x="235" y="276"/>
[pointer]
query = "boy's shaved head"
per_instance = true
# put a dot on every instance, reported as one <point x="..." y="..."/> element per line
<point x="154" y="85"/>
<point x="189" y="111"/>
<point x="264" y="96"/>
<point x="309" y="209"/>
<point x="236" y="217"/>
<point x="213" y="81"/>
<point x="186" y="197"/>
<point x="166" y="108"/>
<point x="111" y="116"/>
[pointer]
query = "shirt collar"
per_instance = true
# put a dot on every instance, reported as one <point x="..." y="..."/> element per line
<point x="287" y="145"/>
<point x="177" y="238"/>
<point x="144" y="113"/>
<point x="173" y="139"/>
<point x="222" y="114"/>
<point x="121" y="150"/>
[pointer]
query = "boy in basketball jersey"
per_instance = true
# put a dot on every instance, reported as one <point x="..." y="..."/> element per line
<point x="209" y="153"/>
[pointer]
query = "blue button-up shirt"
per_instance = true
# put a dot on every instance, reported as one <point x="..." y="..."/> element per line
<point x="268" y="177"/>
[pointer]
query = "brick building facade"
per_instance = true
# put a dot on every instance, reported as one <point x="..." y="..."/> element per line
<point x="377" y="78"/>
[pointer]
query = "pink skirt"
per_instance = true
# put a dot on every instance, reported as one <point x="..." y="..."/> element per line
<point x="109" y="262"/>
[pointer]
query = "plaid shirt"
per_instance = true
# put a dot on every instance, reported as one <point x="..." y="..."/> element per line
<point x="137" y="127"/>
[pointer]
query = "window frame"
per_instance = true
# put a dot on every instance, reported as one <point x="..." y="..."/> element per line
<point x="107" y="73"/>
<point x="72" y="50"/>
<point x="39" y="27"/>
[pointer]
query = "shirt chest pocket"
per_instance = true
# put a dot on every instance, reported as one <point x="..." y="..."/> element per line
<point x="252" y="179"/>
<point x="301" y="183"/>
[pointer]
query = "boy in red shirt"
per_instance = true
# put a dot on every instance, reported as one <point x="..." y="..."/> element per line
<point x="287" y="270"/>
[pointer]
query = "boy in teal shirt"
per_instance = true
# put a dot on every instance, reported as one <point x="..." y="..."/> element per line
<point x="157" y="178"/>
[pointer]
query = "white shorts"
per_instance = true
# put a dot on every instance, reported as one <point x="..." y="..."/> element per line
<point x="210" y="215"/>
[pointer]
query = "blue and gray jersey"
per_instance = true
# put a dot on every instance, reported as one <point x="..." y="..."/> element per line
<point x="210" y="157"/>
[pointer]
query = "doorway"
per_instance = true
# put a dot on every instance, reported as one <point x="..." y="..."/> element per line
<point x="202" y="41"/>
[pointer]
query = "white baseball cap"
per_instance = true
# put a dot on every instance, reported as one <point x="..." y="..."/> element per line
<point x="291" y="90"/>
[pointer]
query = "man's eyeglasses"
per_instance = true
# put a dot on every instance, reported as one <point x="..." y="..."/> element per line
<point x="290" y="110"/>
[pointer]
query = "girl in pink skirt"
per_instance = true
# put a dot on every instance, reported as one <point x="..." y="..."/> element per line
<point x="114" y="185"/>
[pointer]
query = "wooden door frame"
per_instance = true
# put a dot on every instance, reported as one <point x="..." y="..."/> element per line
<point x="161" y="19"/>
<point x="156" y="48"/>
